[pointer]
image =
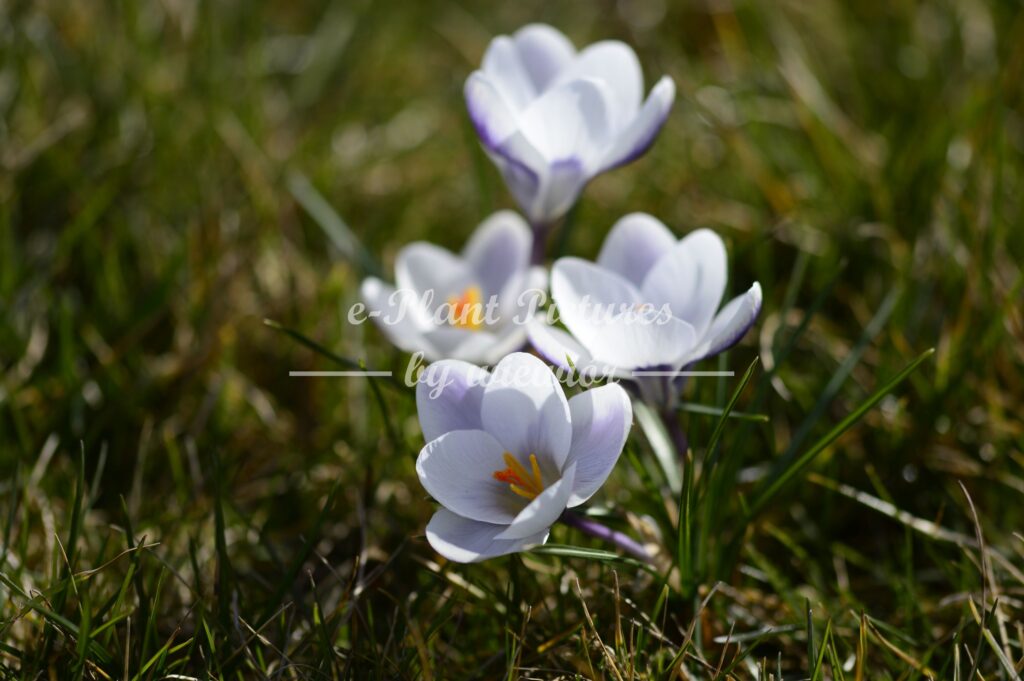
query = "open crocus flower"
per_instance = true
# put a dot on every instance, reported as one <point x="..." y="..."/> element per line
<point x="461" y="307"/>
<point x="646" y="309"/>
<point x="552" y="118"/>
<point x="506" y="453"/>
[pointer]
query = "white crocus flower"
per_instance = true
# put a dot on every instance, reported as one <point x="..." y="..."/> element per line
<point x="506" y="453"/>
<point x="552" y="118"/>
<point x="672" y="290"/>
<point x="470" y="307"/>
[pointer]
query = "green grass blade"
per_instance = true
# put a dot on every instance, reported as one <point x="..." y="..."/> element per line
<point x="774" y="485"/>
<point x="707" y="410"/>
<point x="340" y="234"/>
<point x="661" y="443"/>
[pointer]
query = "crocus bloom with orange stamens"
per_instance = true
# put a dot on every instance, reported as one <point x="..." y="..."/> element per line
<point x="507" y="453"/>
<point x="461" y="306"/>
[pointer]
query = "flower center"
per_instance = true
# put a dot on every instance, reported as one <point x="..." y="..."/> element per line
<point x="526" y="484"/>
<point x="467" y="310"/>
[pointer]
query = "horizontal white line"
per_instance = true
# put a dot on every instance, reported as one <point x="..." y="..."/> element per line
<point x="329" y="374"/>
<point x="684" y="373"/>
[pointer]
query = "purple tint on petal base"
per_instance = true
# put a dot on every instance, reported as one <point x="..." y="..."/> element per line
<point x="521" y="180"/>
<point x="565" y="181"/>
<point x="478" y="120"/>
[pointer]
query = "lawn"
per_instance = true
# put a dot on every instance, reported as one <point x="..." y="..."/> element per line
<point x="191" y="194"/>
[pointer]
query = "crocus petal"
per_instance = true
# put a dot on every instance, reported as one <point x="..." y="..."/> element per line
<point x="525" y="409"/>
<point x="467" y="541"/>
<point x="423" y="267"/>
<point x="463" y="344"/>
<point x="448" y="397"/>
<point x="498" y="249"/>
<point x="478" y="347"/>
<point x="511" y="339"/>
<point x="615" y="63"/>
<point x="544" y="510"/>
<point x="525" y="173"/>
<point x="504" y="66"/>
<point x="544" y="51"/>
<point x="732" y="323"/>
<point x="488" y="110"/>
<point x="570" y="121"/>
<point x="635" y="243"/>
<point x="601" y="418"/>
<point x="604" y="312"/>
<point x="523" y="295"/>
<point x="458" y="469"/>
<point x="641" y="132"/>
<point x="522" y="166"/>
<point x="559" y="190"/>
<point x="690" y="278"/>
<point x="556" y="346"/>
<point x="399" y="316"/>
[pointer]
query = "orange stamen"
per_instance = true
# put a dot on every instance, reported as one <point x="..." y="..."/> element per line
<point x="526" y="484"/>
<point x="467" y="310"/>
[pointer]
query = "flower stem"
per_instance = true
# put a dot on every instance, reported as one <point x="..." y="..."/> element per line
<point x="595" y="529"/>
<point x="541" y="231"/>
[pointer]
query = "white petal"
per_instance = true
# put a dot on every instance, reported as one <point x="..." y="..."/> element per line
<point x="523" y="168"/>
<point x="615" y="64"/>
<point x="523" y="295"/>
<point x="463" y="344"/>
<point x="504" y="66"/>
<point x="601" y="418"/>
<point x="570" y="122"/>
<point x="640" y="133"/>
<point x="635" y="243"/>
<point x="732" y="323"/>
<point x="499" y="249"/>
<point x="690" y="278"/>
<point x="448" y="398"/>
<point x="423" y="267"/>
<point x="525" y="409"/>
<point x="560" y="189"/>
<point x="605" y="314"/>
<point x="543" y="511"/>
<point x="468" y="541"/>
<point x="525" y="172"/>
<point x="458" y="470"/>
<point x="399" y="316"/>
<point x="556" y="346"/>
<point x="511" y="338"/>
<point x="543" y="51"/>
<point x="488" y="110"/>
<point x="485" y="347"/>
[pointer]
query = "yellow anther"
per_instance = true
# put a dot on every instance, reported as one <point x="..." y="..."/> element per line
<point x="467" y="311"/>
<point x="527" y="484"/>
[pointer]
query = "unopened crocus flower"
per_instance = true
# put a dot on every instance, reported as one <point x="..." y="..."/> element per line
<point x="461" y="306"/>
<point x="552" y="118"/>
<point x="648" y="308"/>
<point x="507" y="454"/>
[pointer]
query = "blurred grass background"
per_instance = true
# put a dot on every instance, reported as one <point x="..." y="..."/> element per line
<point x="158" y="164"/>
